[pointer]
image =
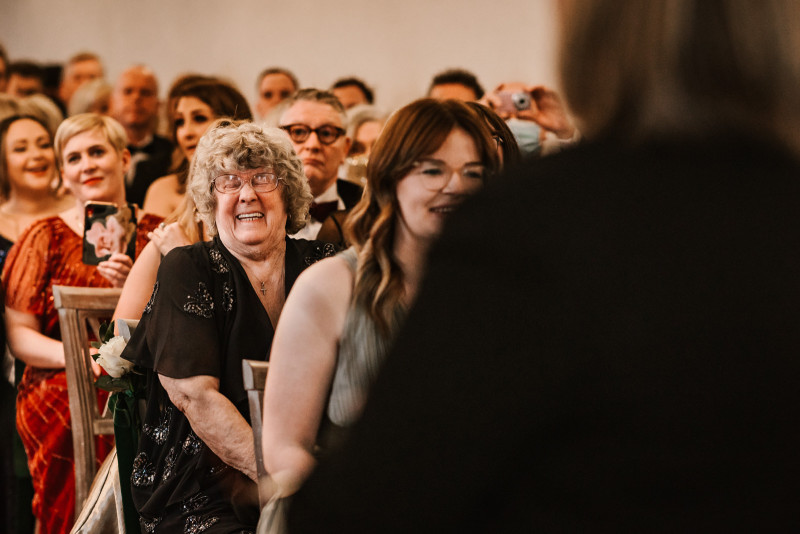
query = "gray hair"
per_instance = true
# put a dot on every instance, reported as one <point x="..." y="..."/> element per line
<point x="236" y="145"/>
<point x="316" y="95"/>
<point x="358" y="115"/>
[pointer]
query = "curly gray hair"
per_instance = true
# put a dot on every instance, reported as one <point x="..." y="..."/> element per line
<point x="237" y="145"/>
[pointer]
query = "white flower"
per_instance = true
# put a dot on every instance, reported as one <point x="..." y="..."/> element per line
<point x="109" y="357"/>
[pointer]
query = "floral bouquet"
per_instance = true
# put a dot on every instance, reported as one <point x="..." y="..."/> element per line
<point x="128" y="387"/>
<point x="122" y="374"/>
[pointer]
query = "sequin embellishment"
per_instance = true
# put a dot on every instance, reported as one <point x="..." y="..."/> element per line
<point x="195" y="524"/>
<point x="213" y="470"/>
<point x="192" y="444"/>
<point x="325" y="250"/>
<point x="200" y="303"/>
<point x="149" y="307"/>
<point x="169" y="464"/>
<point x="227" y="297"/>
<point x="149" y="526"/>
<point x="196" y="501"/>
<point x="218" y="263"/>
<point x="159" y="433"/>
<point x="144" y="473"/>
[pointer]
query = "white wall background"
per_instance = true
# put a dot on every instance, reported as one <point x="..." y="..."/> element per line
<point x="396" y="46"/>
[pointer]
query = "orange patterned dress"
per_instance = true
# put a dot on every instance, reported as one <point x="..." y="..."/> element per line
<point x="48" y="253"/>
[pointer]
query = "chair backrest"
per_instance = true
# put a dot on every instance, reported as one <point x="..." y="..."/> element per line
<point x="77" y="307"/>
<point x="254" y="373"/>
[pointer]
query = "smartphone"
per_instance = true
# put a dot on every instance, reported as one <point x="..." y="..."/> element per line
<point x="107" y="229"/>
<point x="511" y="102"/>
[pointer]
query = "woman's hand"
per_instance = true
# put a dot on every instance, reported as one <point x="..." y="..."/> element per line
<point x="547" y="110"/>
<point x="167" y="237"/>
<point x="116" y="269"/>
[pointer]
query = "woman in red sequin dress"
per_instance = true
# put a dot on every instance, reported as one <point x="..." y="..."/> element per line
<point x="90" y="150"/>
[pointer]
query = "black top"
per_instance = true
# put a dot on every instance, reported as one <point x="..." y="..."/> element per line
<point x="156" y="164"/>
<point x="349" y="192"/>
<point x="203" y="318"/>
<point x="608" y="341"/>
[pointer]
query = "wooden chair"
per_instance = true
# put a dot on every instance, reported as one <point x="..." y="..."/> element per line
<point x="77" y="307"/>
<point x="254" y="373"/>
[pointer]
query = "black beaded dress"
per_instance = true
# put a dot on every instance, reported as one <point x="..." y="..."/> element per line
<point x="203" y="318"/>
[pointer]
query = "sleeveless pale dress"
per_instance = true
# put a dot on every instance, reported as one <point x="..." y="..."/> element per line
<point x="362" y="349"/>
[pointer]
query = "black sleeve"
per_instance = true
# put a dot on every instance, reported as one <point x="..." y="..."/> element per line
<point x="179" y="334"/>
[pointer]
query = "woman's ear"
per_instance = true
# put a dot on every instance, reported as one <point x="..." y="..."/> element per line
<point x="126" y="160"/>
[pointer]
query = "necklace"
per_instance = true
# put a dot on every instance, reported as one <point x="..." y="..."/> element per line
<point x="260" y="281"/>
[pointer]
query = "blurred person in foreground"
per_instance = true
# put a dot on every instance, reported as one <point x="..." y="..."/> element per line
<point x="607" y="340"/>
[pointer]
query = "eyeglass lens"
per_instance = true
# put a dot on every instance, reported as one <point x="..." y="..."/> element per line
<point x="232" y="183"/>
<point x="436" y="174"/>
<point x="326" y="134"/>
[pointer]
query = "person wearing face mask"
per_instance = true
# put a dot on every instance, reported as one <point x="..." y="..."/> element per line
<point x="92" y="155"/>
<point x="536" y="116"/>
<point x="344" y="312"/>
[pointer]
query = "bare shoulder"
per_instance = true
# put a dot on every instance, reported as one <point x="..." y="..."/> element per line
<point x="162" y="196"/>
<point x="321" y="296"/>
<point x="329" y="277"/>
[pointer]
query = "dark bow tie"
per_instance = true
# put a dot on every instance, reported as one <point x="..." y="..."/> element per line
<point x="146" y="149"/>
<point x="321" y="211"/>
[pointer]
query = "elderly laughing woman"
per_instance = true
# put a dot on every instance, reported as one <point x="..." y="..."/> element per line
<point x="214" y="304"/>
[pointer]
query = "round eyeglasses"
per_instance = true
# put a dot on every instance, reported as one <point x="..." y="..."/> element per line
<point x="436" y="174"/>
<point x="263" y="182"/>
<point x="326" y="134"/>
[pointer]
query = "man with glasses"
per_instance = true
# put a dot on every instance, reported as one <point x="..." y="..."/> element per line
<point x="315" y="122"/>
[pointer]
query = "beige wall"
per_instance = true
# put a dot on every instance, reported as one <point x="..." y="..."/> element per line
<point x="395" y="45"/>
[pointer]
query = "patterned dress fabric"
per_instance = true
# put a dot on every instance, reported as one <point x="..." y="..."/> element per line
<point x="203" y="318"/>
<point x="48" y="253"/>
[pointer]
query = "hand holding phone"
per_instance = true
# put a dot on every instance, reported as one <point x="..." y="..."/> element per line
<point x="108" y="229"/>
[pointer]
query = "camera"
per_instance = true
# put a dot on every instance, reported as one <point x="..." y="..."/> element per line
<point x="511" y="102"/>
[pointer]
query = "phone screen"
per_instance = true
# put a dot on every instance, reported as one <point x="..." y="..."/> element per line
<point x="108" y="229"/>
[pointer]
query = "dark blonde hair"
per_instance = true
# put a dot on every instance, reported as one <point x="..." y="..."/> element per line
<point x="689" y="67"/>
<point x="113" y="131"/>
<point x="411" y="133"/>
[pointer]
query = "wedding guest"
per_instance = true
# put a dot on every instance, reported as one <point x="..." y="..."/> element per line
<point x="344" y="313"/>
<point x="90" y="151"/>
<point x="29" y="187"/>
<point x="214" y="304"/>
<point x="274" y="85"/>
<point x="196" y="105"/>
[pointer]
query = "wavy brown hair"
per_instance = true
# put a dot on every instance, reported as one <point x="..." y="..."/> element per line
<point x="411" y="133"/>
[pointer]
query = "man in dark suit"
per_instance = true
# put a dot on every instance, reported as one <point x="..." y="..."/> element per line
<point x="316" y="122"/>
<point x="608" y="340"/>
<point x="134" y="103"/>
